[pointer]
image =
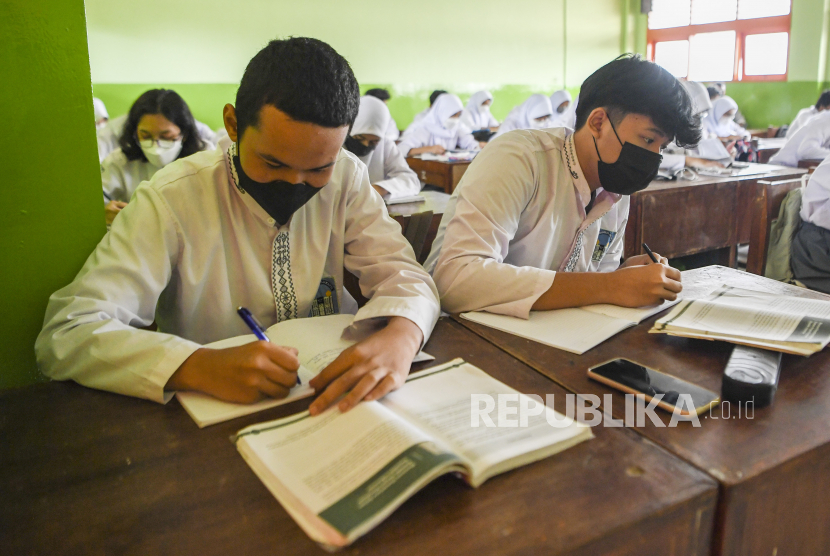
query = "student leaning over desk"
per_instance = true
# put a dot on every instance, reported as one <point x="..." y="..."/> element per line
<point x="159" y="129"/>
<point x="440" y="130"/>
<point x="537" y="221"/>
<point x="811" y="142"/>
<point x="268" y="224"/>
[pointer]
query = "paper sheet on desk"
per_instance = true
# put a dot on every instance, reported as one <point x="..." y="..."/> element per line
<point x="319" y="341"/>
<point x="572" y="330"/>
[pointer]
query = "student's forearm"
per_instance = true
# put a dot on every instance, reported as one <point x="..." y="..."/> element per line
<point x="419" y="150"/>
<point x="576" y="289"/>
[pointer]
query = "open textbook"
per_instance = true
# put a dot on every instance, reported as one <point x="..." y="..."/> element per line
<point x="319" y="341"/>
<point x="777" y="322"/>
<point x="574" y="330"/>
<point x="340" y="474"/>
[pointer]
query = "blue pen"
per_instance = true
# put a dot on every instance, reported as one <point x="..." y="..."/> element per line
<point x="255" y="327"/>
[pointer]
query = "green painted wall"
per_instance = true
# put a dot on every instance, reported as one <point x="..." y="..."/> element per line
<point x="51" y="215"/>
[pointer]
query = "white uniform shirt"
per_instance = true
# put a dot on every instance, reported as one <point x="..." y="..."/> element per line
<point x="801" y="118"/>
<point x="388" y="169"/>
<point x="191" y="247"/>
<point x="392" y="132"/>
<point x="120" y="176"/>
<point x="810" y="142"/>
<point x="420" y="136"/>
<point x="516" y="218"/>
<point x="815" y="202"/>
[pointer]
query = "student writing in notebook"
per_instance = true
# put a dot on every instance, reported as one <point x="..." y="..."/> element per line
<point x="268" y="224"/>
<point x="537" y="221"/>
<point x="389" y="173"/>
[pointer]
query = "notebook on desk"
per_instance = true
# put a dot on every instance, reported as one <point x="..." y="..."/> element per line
<point x="573" y="330"/>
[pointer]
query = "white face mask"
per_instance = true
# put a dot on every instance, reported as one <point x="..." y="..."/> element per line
<point x="540" y="124"/>
<point x="451" y="124"/>
<point x="160" y="156"/>
<point x="726" y="119"/>
<point x="483" y="108"/>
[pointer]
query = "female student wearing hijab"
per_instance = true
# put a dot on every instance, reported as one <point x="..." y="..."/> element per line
<point x="392" y="132"/>
<point x="538" y="220"/>
<point x="811" y="142"/>
<point x="810" y="256"/>
<point x="560" y="101"/>
<point x="676" y="158"/>
<point x="389" y="173"/>
<point x="439" y="131"/>
<point x="100" y="111"/>
<point x="476" y="114"/>
<point x="804" y="115"/>
<point x="721" y="120"/>
<point x="270" y="224"/>
<point x="159" y="130"/>
<point x="534" y="113"/>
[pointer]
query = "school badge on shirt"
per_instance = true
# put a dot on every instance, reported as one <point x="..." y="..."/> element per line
<point x="603" y="241"/>
<point x="325" y="302"/>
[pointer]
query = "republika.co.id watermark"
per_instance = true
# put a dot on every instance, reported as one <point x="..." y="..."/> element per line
<point x="523" y="410"/>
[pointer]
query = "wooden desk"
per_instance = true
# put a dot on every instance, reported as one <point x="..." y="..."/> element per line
<point x="445" y="175"/>
<point x="773" y="470"/>
<point x="810" y="163"/>
<point x="683" y="217"/>
<point x="88" y="472"/>
<point x="767" y="147"/>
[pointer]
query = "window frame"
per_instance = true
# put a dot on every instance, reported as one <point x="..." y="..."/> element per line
<point x="742" y="28"/>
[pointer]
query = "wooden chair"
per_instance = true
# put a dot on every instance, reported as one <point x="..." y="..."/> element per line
<point x="415" y="229"/>
<point x="765" y="208"/>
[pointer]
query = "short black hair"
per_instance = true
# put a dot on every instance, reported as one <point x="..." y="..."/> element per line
<point x="631" y="85"/>
<point x="434" y="96"/>
<point x="303" y="77"/>
<point x="169" y="104"/>
<point x="823" y="99"/>
<point x="382" y="94"/>
<point x="713" y="92"/>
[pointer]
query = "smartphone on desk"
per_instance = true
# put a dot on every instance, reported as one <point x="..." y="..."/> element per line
<point x="633" y="378"/>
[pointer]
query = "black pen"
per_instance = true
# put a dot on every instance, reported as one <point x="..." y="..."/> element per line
<point x="650" y="254"/>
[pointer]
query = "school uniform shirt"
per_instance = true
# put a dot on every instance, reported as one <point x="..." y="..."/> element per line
<point x="524" y="116"/>
<point x="192" y="246"/>
<point x="392" y="132"/>
<point x="801" y="118"/>
<point x="388" y="169"/>
<point x="431" y="130"/>
<point x="815" y="201"/>
<point x="516" y="219"/>
<point x="476" y="116"/>
<point x="416" y="120"/>
<point x="121" y="176"/>
<point x="812" y="141"/>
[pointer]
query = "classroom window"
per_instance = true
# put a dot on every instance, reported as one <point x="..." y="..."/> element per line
<point x="721" y="40"/>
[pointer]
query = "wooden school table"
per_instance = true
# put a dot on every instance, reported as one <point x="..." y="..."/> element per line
<point x="773" y="470"/>
<point x="436" y="202"/>
<point x="445" y="175"/>
<point x="767" y="147"/>
<point x="89" y="472"/>
<point x="685" y="217"/>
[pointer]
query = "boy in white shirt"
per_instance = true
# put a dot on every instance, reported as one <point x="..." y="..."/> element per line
<point x="268" y="224"/>
<point x="538" y="220"/>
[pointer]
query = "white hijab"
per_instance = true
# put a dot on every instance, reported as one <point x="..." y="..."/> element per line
<point x="700" y="97"/>
<point x="713" y="123"/>
<point x="561" y="118"/>
<point x="445" y="106"/>
<point x="536" y="106"/>
<point x="479" y="115"/>
<point x="372" y="117"/>
<point x="99" y="109"/>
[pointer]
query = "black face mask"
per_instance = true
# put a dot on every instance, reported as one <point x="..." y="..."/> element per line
<point x="279" y="198"/>
<point x="356" y="147"/>
<point x="632" y="172"/>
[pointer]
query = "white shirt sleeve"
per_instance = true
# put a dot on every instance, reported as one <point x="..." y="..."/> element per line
<point x="466" y="140"/>
<point x="399" y="179"/>
<point x="470" y="272"/>
<point x="383" y="262"/>
<point x="114" y="178"/>
<point x="414" y="138"/>
<point x="814" y="146"/>
<point x="92" y="329"/>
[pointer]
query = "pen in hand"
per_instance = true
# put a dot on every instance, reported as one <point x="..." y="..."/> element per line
<point x="256" y="328"/>
<point x="650" y="253"/>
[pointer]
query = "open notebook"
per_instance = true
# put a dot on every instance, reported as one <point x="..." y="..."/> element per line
<point x="340" y="474"/>
<point x="572" y="330"/>
<point x="319" y="341"/>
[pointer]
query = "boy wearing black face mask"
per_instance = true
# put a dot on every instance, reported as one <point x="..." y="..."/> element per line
<point x="538" y="220"/>
<point x="268" y="224"/>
